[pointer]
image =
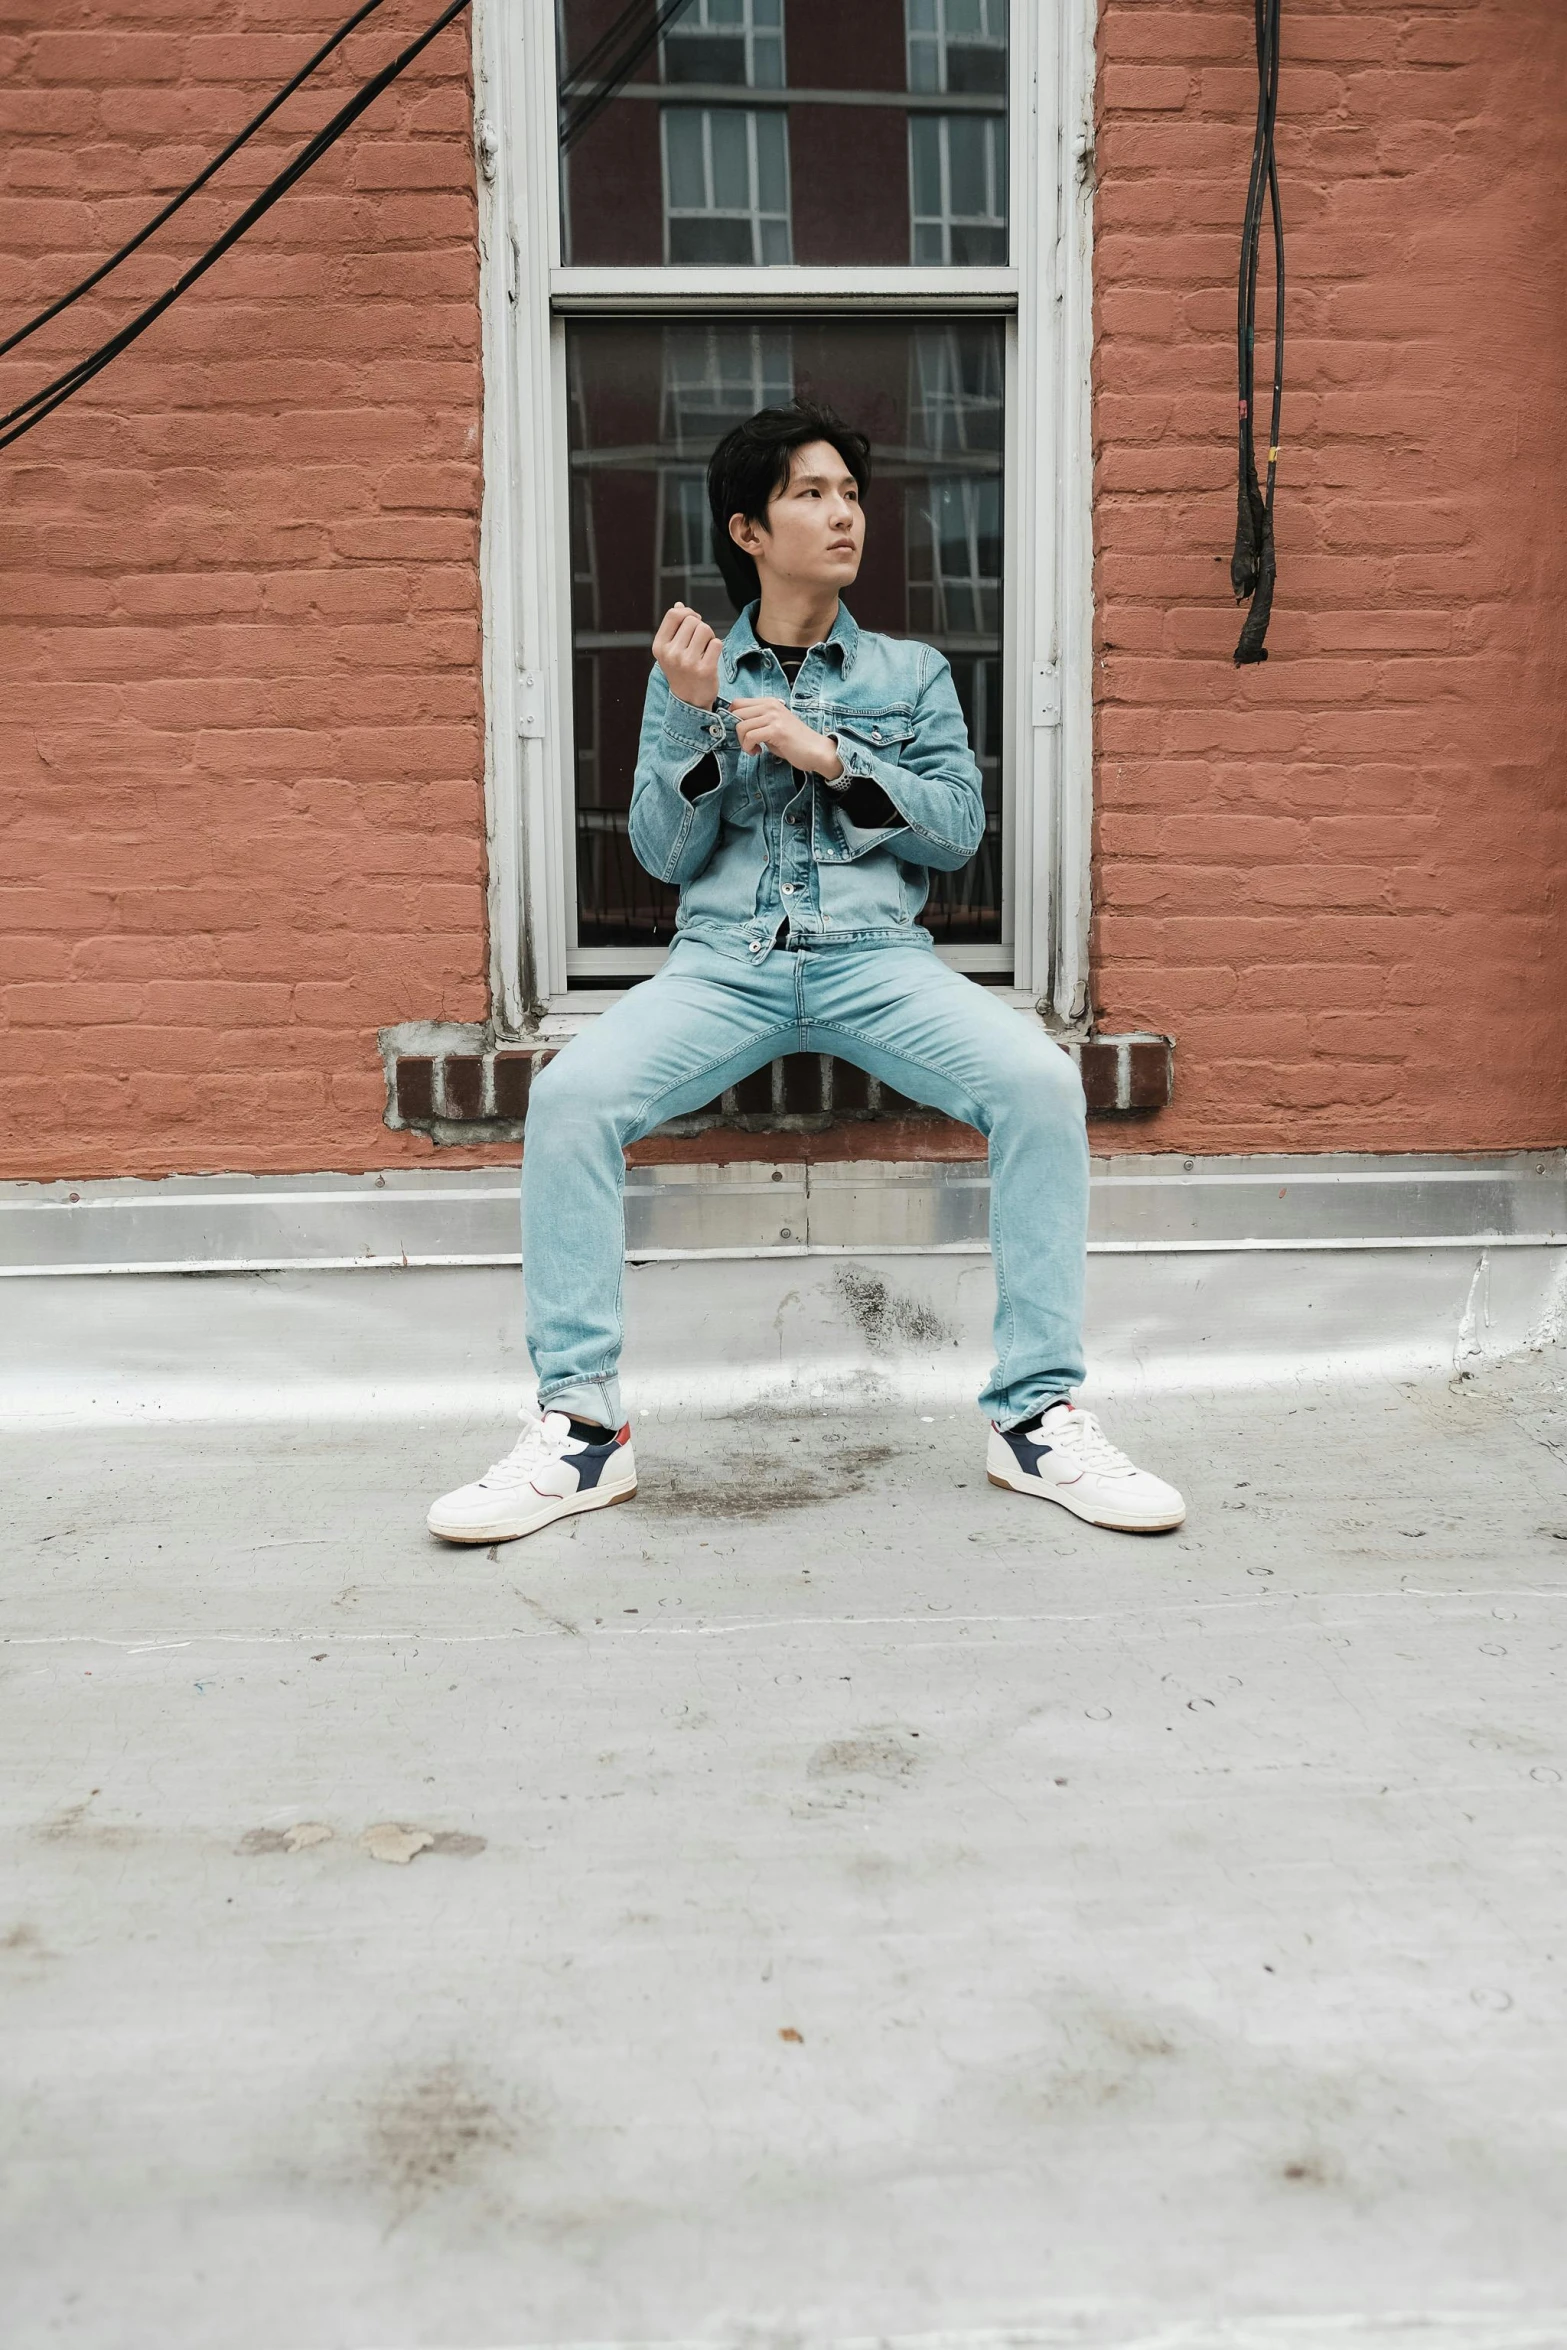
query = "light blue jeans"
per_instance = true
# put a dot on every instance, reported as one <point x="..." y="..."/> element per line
<point x="708" y="1020"/>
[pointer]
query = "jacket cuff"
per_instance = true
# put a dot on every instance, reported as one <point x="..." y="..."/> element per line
<point x="691" y="729"/>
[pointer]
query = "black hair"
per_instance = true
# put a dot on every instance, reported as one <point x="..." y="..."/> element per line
<point x="751" y="465"/>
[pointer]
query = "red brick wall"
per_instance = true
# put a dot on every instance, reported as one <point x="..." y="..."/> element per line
<point x="1338" y="878"/>
<point x="241" y="821"/>
<point x="240" y="810"/>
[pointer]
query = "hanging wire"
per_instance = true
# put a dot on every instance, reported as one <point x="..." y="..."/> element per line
<point x="197" y="184"/>
<point x="607" y="67"/>
<point x="42" y="403"/>
<point x="1253" y="568"/>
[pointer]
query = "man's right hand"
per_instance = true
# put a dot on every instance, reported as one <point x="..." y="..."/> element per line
<point x="687" y="651"/>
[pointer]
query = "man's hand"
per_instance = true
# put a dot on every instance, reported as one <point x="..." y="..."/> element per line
<point x="687" y="651"/>
<point x="764" y="723"/>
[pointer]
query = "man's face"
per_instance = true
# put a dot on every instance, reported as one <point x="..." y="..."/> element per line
<point x="815" y="530"/>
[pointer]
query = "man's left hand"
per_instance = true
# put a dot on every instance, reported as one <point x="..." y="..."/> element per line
<point x="764" y="723"/>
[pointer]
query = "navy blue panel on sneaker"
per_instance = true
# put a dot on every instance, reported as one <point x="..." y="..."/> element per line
<point x="1025" y="1451"/>
<point x="592" y="1461"/>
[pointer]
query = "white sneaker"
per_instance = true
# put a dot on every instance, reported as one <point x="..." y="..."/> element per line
<point x="548" y="1474"/>
<point x="1068" y="1458"/>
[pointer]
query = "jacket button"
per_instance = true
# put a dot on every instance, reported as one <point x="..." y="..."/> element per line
<point x="756" y="946"/>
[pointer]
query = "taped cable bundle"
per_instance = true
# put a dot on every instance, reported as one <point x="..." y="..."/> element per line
<point x="1252" y="566"/>
<point x="43" y="402"/>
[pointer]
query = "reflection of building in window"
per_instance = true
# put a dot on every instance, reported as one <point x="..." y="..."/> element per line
<point x="958" y="189"/>
<point x="734" y="41"/>
<point x="967" y="904"/>
<point x="954" y="543"/>
<point x="687" y="573"/>
<point x="958" y="45"/>
<point x="726" y="186"/>
<point x="585" y="692"/>
<point x="584" y="555"/>
<point x="958" y="392"/>
<point x="958" y="162"/>
<point x="714" y="377"/>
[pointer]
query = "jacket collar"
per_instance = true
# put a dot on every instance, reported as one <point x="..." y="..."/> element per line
<point x="741" y="644"/>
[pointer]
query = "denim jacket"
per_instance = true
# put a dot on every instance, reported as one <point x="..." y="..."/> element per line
<point x="759" y="850"/>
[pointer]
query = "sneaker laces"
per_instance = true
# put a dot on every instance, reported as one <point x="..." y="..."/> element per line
<point x="534" y="1445"/>
<point x="1084" y="1436"/>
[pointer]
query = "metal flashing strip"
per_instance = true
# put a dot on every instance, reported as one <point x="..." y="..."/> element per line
<point x="423" y="1218"/>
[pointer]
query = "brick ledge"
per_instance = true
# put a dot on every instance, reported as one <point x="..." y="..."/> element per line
<point x="458" y="1084"/>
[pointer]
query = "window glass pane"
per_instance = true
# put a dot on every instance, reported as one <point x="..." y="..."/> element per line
<point x="709" y="241"/>
<point x="686" y="177"/>
<point x="830" y="159"/>
<point x="731" y="162"/>
<point x="966" y="152"/>
<point x="925" y="165"/>
<point x="648" y="401"/>
<point x="772" y="163"/>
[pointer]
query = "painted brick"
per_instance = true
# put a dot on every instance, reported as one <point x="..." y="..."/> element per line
<point x="241" y="753"/>
<point x="415" y="1088"/>
<point x="463" y="1075"/>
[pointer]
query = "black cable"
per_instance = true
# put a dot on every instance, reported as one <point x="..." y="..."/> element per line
<point x="43" y="403"/>
<point x="196" y="185"/>
<point x="1253" y="567"/>
<point x="618" y="71"/>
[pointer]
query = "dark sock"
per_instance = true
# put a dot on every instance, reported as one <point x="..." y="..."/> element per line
<point x="1026" y="1427"/>
<point x="590" y="1432"/>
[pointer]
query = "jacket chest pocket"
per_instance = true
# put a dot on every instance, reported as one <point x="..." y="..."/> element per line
<point x="884" y="733"/>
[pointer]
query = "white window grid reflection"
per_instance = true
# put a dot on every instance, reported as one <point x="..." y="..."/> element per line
<point x="738" y="41"/>
<point x="954" y="553"/>
<point x="687" y="573"/>
<point x="958" y="189"/>
<point x="959" y="392"/>
<point x="712" y="381"/>
<point x="957" y="44"/>
<point x="726" y="186"/>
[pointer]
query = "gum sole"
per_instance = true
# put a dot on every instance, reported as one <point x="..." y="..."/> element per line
<point x="605" y="1501"/>
<point x="1110" y="1525"/>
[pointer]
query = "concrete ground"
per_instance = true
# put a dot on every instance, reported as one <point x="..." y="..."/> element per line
<point x="860" y="1903"/>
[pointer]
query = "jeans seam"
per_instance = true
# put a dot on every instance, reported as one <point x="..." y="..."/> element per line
<point x="838" y="1028"/>
<point x="652" y="1099"/>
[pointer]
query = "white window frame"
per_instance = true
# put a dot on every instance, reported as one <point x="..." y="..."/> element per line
<point x="1045" y="293"/>
<point x="753" y="214"/>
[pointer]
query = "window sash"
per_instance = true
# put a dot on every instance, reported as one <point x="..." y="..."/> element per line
<point x="1044" y="290"/>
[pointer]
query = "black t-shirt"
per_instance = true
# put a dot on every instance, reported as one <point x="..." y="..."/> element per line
<point x="863" y="801"/>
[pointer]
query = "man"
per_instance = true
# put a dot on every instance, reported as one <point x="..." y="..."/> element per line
<point x="800" y="782"/>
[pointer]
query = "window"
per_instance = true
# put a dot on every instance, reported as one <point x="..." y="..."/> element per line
<point x="958" y="45"/>
<point x="646" y="393"/>
<point x="756" y="198"/>
<point x="727" y="41"/>
<point x="958" y="182"/>
<point x="726" y="187"/>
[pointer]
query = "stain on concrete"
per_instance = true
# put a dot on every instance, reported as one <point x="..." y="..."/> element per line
<point x="388" y="1840"/>
<point x="23" y="1940"/>
<point x="874" y="1754"/>
<point x="67" y="1821"/>
<point x="884" y="1319"/>
<point x="765" y="1485"/>
<point x="1312" y="2170"/>
<point x="434" y="2133"/>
